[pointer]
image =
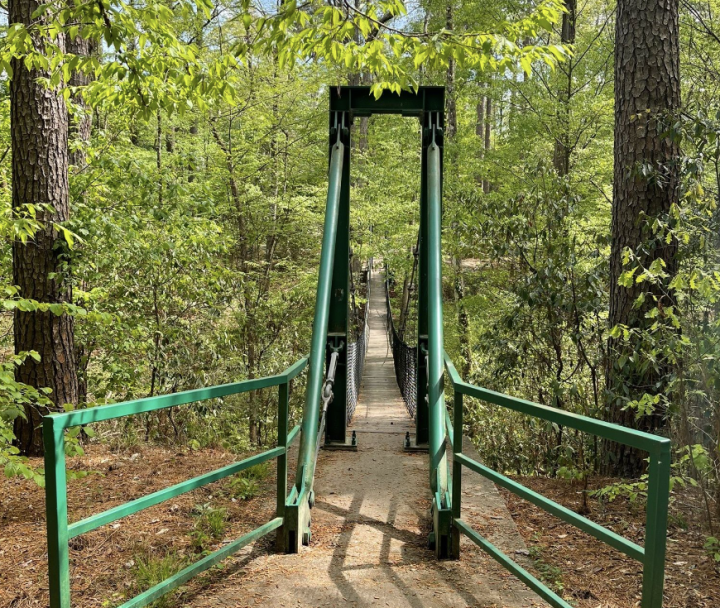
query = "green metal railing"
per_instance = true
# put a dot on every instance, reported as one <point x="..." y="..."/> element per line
<point x="59" y="531"/>
<point x="651" y="556"/>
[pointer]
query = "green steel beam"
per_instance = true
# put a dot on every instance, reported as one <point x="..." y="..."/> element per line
<point x="456" y="503"/>
<point x="656" y="528"/>
<point x="294" y="370"/>
<point x="359" y="101"/>
<point x="293" y="435"/>
<point x="336" y="418"/>
<point x="450" y="367"/>
<point x="609" y="537"/>
<point x="436" y="393"/>
<point x="311" y="413"/>
<point x="151" y="404"/>
<point x="209" y="561"/>
<point x="283" y="440"/>
<point x="421" y="412"/>
<point x="606" y="430"/>
<point x="150" y="500"/>
<point x="56" y="513"/>
<point x="543" y="591"/>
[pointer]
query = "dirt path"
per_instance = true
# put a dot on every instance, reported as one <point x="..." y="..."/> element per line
<point x="371" y="520"/>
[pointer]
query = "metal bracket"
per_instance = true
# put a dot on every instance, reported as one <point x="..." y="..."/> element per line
<point x="336" y="344"/>
<point x="441" y="537"/>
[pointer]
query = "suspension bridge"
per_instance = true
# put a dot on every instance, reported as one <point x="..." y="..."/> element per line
<point x="383" y="502"/>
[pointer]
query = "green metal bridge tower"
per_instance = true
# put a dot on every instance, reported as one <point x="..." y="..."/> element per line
<point x="330" y="328"/>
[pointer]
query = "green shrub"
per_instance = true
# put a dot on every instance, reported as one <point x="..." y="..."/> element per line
<point x="210" y="525"/>
<point x="246" y="485"/>
<point x="149" y="570"/>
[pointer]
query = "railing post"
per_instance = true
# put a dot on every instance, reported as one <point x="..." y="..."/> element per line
<point x="457" y="471"/>
<point x="656" y="527"/>
<point x="282" y="466"/>
<point x="56" y="508"/>
<point x="281" y="510"/>
<point x="435" y="343"/>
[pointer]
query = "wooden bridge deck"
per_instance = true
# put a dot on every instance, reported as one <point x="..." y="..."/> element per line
<point x="371" y="521"/>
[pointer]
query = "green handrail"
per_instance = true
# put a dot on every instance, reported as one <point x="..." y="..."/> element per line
<point x="652" y="555"/>
<point x="59" y="531"/>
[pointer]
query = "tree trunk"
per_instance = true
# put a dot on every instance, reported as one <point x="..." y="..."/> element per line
<point x="80" y="125"/>
<point x="79" y="128"/>
<point x="192" y="165"/>
<point x="561" y="157"/>
<point x="451" y="122"/>
<point x="39" y="142"/>
<point x="480" y="132"/>
<point x="158" y="157"/>
<point x="647" y="90"/>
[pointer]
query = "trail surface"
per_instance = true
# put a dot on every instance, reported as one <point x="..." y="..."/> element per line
<point x="371" y="520"/>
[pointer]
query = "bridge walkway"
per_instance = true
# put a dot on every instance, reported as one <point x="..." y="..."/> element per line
<point x="371" y="520"/>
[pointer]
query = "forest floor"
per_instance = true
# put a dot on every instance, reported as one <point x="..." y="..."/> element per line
<point x="119" y="560"/>
<point x="597" y="576"/>
<point x="122" y="559"/>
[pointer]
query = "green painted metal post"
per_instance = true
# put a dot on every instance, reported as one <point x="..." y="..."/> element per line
<point x="656" y="527"/>
<point x="442" y="515"/>
<point x="421" y="413"/>
<point x="298" y="518"/>
<point x="336" y="422"/>
<point x="282" y="467"/>
<point x="56" y="513"/>
<point x="436" y="393"/>
<point x="457" y="470"/>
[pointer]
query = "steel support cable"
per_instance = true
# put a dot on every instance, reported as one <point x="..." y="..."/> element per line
<point x="404" y="359"/>
<point x="404" y="314"/>
<point x="327" y="397"/>
<point x="352" y="289"/>
<point x="356" y="356"/>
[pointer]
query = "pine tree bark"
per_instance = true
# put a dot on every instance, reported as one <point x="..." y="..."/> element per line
<point x="563" y="148"/>
<point x="79" y="127"/>
<point x="39" y="142"/>
<point x="647" y="90"/>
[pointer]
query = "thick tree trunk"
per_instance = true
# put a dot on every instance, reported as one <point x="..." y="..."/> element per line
<point x="39" y="141"/>
<point x="647" y="90"/>
<point x="563" y="148"/>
